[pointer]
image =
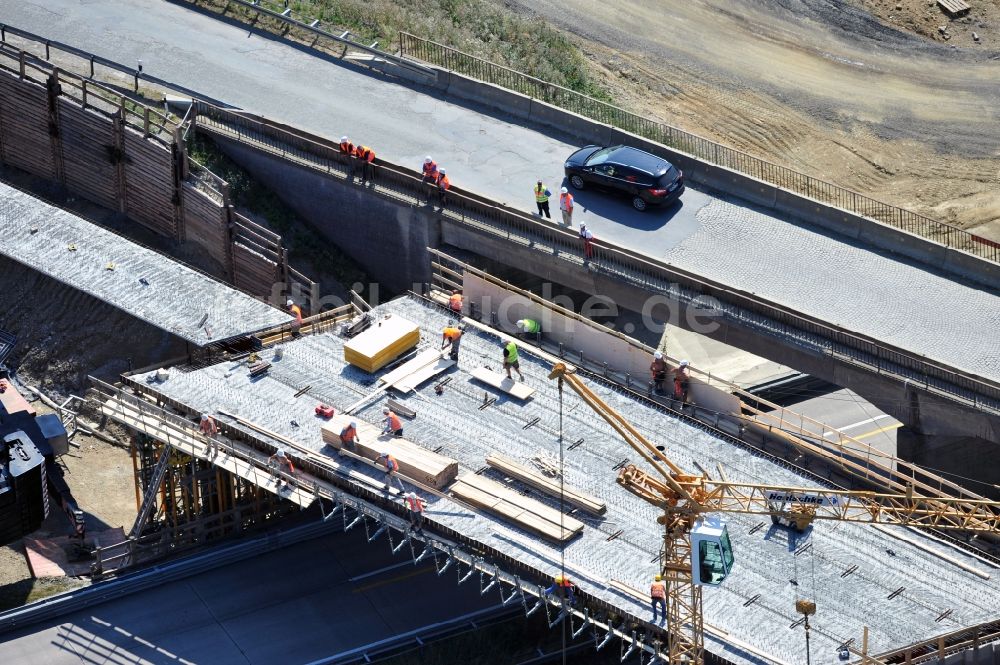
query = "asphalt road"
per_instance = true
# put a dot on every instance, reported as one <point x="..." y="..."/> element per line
<point x="750" y="249"/>
<point x="308" y="601"/>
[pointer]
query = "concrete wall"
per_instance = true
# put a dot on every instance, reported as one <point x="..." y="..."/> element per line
<point x="854" y="227"/>
<point x="388" y="237"/>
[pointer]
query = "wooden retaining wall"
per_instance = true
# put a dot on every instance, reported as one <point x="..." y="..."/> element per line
<point x="128" y="157"/>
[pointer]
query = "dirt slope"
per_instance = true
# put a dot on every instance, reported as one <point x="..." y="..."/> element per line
<point x="817" y="85"/>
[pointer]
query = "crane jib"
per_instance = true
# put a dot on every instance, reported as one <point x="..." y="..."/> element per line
<point x="808" y="499"/>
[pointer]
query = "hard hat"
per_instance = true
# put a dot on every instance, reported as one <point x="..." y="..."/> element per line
<point x="344" y="139"/>
<point x="442" y="170"/>
<point x="289" y="303"/>
<point x="583" y="225"/>
<point x="520" y="323"/>
<point x="383" y="454"/>
<point x="353" y="424"/>
<point x="564" y="190"/>
<point x="411" y="494"/>
<point x="559" y="578"/>
<point x="204" y="416"/>
<point x="657" y="355"/>
<point x="385" y="410"/>
<point x="539" y="181"/>
<point x="427" y="159"/>
<point x="684" y="363"/>
<point x="280" y="453"/>
<point x="659" y="578"/>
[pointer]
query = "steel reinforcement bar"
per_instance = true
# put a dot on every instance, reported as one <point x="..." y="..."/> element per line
<point x="699" y="147"/>
<point x="738" y="307"/>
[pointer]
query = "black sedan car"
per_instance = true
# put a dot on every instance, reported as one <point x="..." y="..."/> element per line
<point x="647" y="179"/>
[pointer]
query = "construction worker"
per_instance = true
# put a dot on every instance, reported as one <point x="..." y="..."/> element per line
<point x="542" y="195"/>
<point x="451" y="336"/>
<point x="510" y="359"/>
<point x="566" y="206"/>
<point x="658" y="372"/>
<point x="682" y="381"/>
<point x="528" y="327"/>
<point x="588" y="240"/>
<point x="391" y="467"/>
<point x="563" y="588"/>
<point x="415" y="507"/>
<point x="295" y="311"/>
<point x="658" y="597"/>
<point x="428" y="175"/>
<point x="455" y="302"/>
<point x="366" y="156"/>
<point x="347" y="150"/>
<point x="391" y="424"/>
<point x="211" y="432"/>
<point x="443" y="185"/>
<point x="349" y="436"/>
<point x="282" y="463"/>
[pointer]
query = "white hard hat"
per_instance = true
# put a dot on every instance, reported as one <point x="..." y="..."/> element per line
<point x="280" y="453"/>
<point x="427" y="159"/>
<point x="289" y="303"/>
<point x="520" y="323"/>
<point x="684" y="363"/>
<point x="204" y="416"/>
<point x="385" y="410"/>
<point x="383" y="454"/>
<point x="442" y="170"/>
<point x="657" y="355"/>
<point x="411" y="494"/>
<point x="583" y="225"/>
<point x="353" y="424"/>
<point x="344" y="139"/>
<point x="564" y="190"/>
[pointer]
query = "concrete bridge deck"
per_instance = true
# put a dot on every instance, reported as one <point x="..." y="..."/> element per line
<point x="867" y="291"/>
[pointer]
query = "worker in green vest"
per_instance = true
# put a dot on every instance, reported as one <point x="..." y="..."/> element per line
<point x="542" y="195"/>
<point x="510" y="359"/>
<point x="529" y="327"/>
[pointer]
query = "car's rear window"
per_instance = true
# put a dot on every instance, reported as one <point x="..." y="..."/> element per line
<point x="668" y="177"/>
<point x="600" y="156"/>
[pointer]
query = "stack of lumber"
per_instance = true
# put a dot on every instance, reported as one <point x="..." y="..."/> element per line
<point x="415" y="462"/>
<point x="385" y="341"/>
<point x="525" y="512"/>
<point x="501" y="382"/>
<point x="426" y="365"/>
<point x="549" y="486"/>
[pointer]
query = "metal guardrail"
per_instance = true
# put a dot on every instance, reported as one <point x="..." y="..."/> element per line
<point x="739" y="307"/>
<point x="699" y="147"/>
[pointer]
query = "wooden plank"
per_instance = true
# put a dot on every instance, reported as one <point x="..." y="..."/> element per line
<point x="549" y="486"/>
<point x="382" y="343"/>
<point x="501" y="382"/>
<point x="422" y="359"/>
<point x="954" y="7"/>
<point x="424" y="374"/>
<point x="415" y="462"/>
<point x="525" y="512"/>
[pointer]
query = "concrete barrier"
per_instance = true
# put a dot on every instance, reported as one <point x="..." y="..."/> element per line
<point x="901" y="242"/>
<point x="737" y="184"/>
<point x="578" y="126"/>
<point x="973" y="267"/>
<point x="494" y="96"/>
<point x="812" y="212"/>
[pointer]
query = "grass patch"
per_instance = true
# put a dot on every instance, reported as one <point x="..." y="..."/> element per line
<point x="479" y="27"/>
<point x="304" y="243"/>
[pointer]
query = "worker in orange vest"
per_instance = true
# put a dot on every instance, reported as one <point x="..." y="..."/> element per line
<point x="295" y="311"/>
<point x="349" y="436"/>
<point x="658" y="597"/>
<point x="563" y="588"/>
<point x="391" y="424"/>
<point x="283" y="463"/>
<point x="347" y="150"/>
<point x="566" y="206"/>
<point x="455" y="302"/>
<point x="366" y="156"/>
<point x="443" y="185"/>
<point x="211" y="432"/>
<point x="391" y="467"/>
<point x="429" y="171"/>
<point x="415" y="507"/>
<point x="452" y="336"/>
<point x="682" y="381"/>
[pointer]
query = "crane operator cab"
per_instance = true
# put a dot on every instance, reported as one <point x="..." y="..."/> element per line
<point x="711" y="552"/>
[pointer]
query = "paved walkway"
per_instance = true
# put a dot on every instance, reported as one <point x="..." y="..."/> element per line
<point x="862" y="289"/>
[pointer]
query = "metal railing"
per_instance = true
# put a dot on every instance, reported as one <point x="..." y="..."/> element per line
<point x="508" y="224"/>
<point x="699" y="147"/>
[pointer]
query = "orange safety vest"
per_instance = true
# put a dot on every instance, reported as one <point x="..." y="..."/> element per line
<point x="452" y="333"/>
<point x="347" y="148"/>
<point x="297" y="311"/>
<point x="391" y="464"/>
<point x="431" y="169"/>
<point x="208" y="427"/>
<point x="443" y="182"/>
<point x="365" y="153"/>
<point x="455" y="302"/>
<point x="416" y="504"/>
<point x="657" y="590"/>
<point x="394" y="423"/>
<point x="348" y="434"/>
<point x="566" y="202"/>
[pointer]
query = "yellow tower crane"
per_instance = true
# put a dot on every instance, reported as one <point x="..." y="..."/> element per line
<point x="697" y="550"/>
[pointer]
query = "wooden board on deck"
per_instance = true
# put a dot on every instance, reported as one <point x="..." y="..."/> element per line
<point x="525" y="512"/>
<point x="954" y="7"/>
<point x="386" y="340"/>
<point x="412" y="373"/>
<point x="415" y="462"/>
<point x="501" y="382"/>
<point x="547" y="485"/>
<point x="425" y="373"/>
